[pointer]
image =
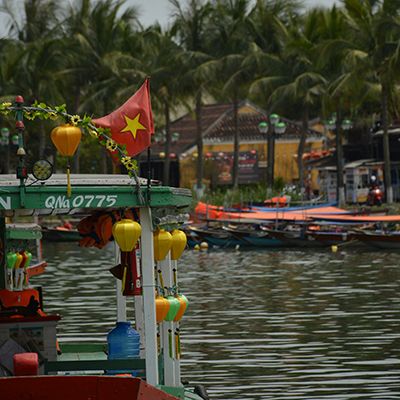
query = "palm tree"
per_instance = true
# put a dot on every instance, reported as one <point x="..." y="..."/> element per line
<point x="162" y="63"/>
<point x="96" y="36"/>
<point x="190" y="28"/>
<point x="229" y="44"/>
<point x="375" y="33"/>
<point x="36" y="32"/>
<point x="290" y="78"/>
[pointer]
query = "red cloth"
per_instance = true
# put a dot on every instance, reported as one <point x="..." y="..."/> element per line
<point x="132" y="123"/>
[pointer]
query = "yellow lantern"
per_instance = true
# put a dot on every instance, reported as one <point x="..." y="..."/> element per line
<point x="126" y="233"/>
<point x="162" y="244"/>
<point x="66" y="138"/>
<point x="162" y="308"/>
<point x="179" y="241"/>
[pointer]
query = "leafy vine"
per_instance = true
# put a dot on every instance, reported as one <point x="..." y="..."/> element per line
<point x="42" y="111"/>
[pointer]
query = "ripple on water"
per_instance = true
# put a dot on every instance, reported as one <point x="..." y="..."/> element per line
<point x="277" y="324"/>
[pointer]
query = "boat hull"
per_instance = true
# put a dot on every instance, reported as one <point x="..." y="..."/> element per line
<point x="57" y="235"/>
<point x="84" y="387"/>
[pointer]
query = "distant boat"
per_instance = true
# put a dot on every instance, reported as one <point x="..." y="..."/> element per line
<point x="253" y="236"/>
<point x="215" y="236"/>
<point x="380" y="239"/>
<point x="60" y="234"/>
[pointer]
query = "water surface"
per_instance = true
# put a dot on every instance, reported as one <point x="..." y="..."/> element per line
<point x="274" y="324"/>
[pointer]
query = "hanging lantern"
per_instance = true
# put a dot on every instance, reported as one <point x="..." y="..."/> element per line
<point x="126" y="233"/>
<point x="162" y="244"/>
<point x="184" y="302"/>
<point x="66" y="138"/>
<point x="179" y="241"/>
<point x="174" y="306"/>
<point x="162" y="308"/>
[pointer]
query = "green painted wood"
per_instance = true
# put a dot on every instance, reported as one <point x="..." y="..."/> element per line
<point x="178" y="392"/>
<point x="83" y="347"/>
<point x="82" y="356"/>
<point x="89" y="197"/>
<point x="22" y="234"/>
<point x="3" y="251"/>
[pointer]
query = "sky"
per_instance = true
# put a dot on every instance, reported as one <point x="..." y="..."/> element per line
<point x="159" y="10"/>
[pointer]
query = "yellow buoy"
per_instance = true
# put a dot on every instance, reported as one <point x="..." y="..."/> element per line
<point x="204" y="245"/>
<point x="334" y="248"/>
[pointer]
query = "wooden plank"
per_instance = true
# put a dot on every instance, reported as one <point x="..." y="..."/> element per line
<point x="83" y="347"/>
<point x="94" y="365"/>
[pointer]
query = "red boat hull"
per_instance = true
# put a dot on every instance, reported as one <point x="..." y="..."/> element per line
<point x="79" y="388"/>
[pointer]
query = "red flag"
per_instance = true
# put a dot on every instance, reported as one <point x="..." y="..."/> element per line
<point x="132" y="123"/>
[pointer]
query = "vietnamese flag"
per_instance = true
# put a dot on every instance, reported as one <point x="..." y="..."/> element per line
<point x="132" y="123"/>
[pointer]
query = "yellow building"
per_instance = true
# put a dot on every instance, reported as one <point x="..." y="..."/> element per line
<point x="218" y="132"/>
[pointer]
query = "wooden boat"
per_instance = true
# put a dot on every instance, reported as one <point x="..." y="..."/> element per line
<point x="379" y="239"/>
<point x="253" y="236"/>
<point x="60" y="234"/>
<point x="215" y="236"/>
<point x="160" y="364"/>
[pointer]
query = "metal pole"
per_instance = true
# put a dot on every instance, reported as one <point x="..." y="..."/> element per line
<point x="121" y="300"/>
<point x="168" y="328"/>
<point x="149" y="305"/>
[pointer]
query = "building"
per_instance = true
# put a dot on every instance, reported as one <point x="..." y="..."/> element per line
<point x="218" y="137"/>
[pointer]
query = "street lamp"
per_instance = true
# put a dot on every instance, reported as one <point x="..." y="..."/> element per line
<point x="272" y="128"/>
<point x="334" y="124"/>
<point x="5" y="141"/>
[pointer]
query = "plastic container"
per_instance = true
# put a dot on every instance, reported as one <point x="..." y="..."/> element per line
<point x="123" y="343"/>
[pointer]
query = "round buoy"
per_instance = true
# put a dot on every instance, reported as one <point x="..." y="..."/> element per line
<point x="334" y="249"/>
<point x="196" y="247"/>
<point x="204" y="245"/>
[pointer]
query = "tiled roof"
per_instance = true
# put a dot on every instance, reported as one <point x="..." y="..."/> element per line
<point x="218" y="126"/>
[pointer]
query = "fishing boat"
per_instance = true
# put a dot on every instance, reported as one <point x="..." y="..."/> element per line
<point x="141" y="361"/>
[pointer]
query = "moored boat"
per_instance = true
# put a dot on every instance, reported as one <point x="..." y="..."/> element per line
<point x="123" y="209"/>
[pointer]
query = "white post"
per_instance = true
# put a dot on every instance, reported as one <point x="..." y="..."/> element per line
<point x="149" y="305"/>
<point x="168" y="327"/>
<point x="139" y="318"/>
<point x="177" y="362"/>
<point x="121" y="300"/>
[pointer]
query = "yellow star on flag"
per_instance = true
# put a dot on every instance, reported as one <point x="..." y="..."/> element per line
<point x="133" y="125"/>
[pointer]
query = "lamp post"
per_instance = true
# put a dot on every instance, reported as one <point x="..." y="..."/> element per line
<point x="339" y="126"/>
<point x="5" y="141"/>
<point x="271" y="129"/>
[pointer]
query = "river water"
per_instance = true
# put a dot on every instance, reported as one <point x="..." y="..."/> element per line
<point x="274" y="324"/>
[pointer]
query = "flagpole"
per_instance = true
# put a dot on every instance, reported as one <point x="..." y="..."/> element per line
<point x="148" y="175"/>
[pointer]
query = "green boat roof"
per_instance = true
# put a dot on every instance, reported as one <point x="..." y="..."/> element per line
<point x="88" y="192"/>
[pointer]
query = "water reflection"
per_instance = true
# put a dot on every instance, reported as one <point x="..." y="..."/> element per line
<point x="287" y="324"/>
